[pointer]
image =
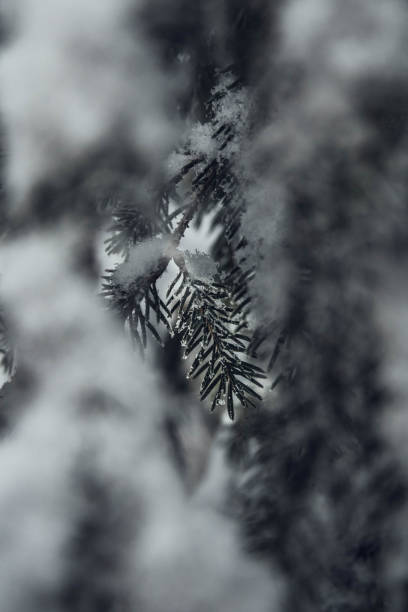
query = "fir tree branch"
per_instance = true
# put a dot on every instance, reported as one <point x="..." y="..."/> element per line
<point x="127" y="301"/>
<point x="223" y="308"/>
<point x="207" y="326"/>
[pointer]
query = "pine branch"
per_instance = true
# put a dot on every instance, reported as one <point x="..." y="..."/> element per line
<point x="129" y="226"/>
<point x="218" y="182"/>
<point x="207" y="326"/>
<point x="136" y="302"/>
<point x="139" y="303"/>
<point x="210" y="316"/>
<point x="213" y="173"/>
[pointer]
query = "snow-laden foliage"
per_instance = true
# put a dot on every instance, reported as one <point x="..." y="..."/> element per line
<point x="253" y="458"/>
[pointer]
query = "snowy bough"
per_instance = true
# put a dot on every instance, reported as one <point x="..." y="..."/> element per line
<point x="203" y="305"/>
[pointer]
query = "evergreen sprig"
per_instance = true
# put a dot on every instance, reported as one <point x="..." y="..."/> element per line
<point x="135" y="302"/>
<point x="129" y="226"/>
<point x="213" y="176"/>
<point x="138" y="304"/>
<point x="210" y="316"/>
<point x="207" y="325"/>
